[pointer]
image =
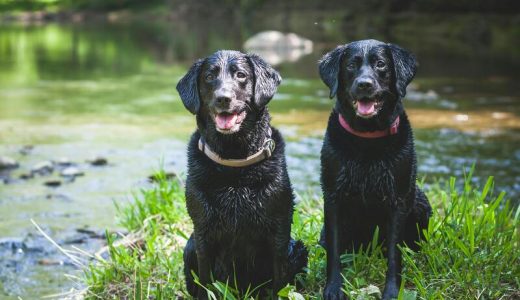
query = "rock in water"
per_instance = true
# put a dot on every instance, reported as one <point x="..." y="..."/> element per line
<point x="26" y="149"/>
<point x="12" y="244"/>
<point x="98" y="161"/>
<point x="63" y="162"/>
<point x="71" y="172"/>
<point x="277" y="47"/>
<point x="7" y="163"/>
<point x="52" y="183"/>
<point x="26" y="176"/>
<point x="43" y="168"/>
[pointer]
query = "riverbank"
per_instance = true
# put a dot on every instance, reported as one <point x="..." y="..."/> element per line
<point x="472" y="250"/>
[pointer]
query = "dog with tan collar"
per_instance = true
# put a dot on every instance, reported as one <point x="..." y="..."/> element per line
<point x="238" y="191"/>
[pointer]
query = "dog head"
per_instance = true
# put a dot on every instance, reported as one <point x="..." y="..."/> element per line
<point x="228" y="88"/>
<point x="369" y="78"/>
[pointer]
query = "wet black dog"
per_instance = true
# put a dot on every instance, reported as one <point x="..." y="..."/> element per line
<point x="242" y="214"/>
<point x="368" y="158"/>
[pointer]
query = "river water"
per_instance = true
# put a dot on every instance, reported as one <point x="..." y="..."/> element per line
<point x="77" y="91"/>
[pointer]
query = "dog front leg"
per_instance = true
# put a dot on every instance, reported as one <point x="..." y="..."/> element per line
<point x="394" y="237"/>
<point x="280" y="255"/>
<point x="204" y="265"/>
<point x="334" y="281"/>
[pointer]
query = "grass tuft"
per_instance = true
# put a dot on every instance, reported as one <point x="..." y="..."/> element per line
<point x="471" y="250"/>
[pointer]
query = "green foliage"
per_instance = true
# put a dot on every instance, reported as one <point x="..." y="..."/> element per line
<point x="471" y="247"/>
<point x="471" y="250"/>
<point x="149" y="260"/>
<point x="27" y="5"/>
<point x="33" y="5"/>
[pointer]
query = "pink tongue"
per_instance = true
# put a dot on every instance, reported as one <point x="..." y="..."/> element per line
<point x="366" y="108"/>
<point x="226" y="121"/>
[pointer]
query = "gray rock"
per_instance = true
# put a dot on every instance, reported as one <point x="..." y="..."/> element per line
<point x="98" y="161"/>
<point x="415" y="95"/>
<point x="277" y="47"/>
<point x="58" y="197"/>
<point x="26" y="176"/>
<point x="12" y="243"/>
<point x="26" y="149"/>
<point x="64" y="162"/>
<point x="7" y="163"/>
<point x="43" y="168"/>
<point x="52" y="183"/>
<point x="71" y="172"/>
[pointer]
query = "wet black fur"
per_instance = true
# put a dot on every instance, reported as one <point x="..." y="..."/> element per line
<point x="242" y="216"/>
<point x="369" y="182"/>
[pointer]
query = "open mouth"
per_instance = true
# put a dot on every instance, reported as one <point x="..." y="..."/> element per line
<point x="367" y="108"/>
<point x="227" y="121"/>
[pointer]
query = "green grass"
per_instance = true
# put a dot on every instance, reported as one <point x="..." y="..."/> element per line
<point x="471" y="250"/>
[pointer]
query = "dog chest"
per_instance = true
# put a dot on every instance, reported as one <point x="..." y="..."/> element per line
<point x="374" y="181"/>
<point x="237" y="209"/>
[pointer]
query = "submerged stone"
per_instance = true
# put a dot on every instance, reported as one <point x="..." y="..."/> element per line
<point x="52" y="183"/>
<point x="98" y="161"/>
<point x="43" y="168"/>
<point x="71" y="172"/>
<point x="7" y="163"/>
<point x="63" y="162"/>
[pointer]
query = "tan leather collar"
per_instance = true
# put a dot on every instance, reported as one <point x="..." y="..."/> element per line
<point x="263" y="153"/>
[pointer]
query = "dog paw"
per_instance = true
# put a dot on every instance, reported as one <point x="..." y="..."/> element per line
<point x="333" y="292"/>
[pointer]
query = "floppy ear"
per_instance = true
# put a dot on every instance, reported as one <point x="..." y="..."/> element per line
<point x="405" y="67"/>
<point x="266" y="81"/>
<point x="329" y="68"/>
<point x="188" y="88"/>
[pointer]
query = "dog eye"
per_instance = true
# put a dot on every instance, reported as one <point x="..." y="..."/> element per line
<point x="380" y="64"/>
<point x="241" y="75"/>
<point x="209" y="77"/>
<point x="351" y="66"/>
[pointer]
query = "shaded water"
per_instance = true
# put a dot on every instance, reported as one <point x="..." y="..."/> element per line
<point x="84" y="90"/>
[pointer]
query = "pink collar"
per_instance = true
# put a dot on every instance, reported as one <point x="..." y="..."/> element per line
<point x="370" y="134"/>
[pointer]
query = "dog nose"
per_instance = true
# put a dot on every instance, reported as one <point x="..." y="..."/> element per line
<point x="223" y="100"/>
<point x="365" y="84"/>
<point x="223" y="96"/>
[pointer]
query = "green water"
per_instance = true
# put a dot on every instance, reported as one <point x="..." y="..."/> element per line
<point x="83" y="90"/>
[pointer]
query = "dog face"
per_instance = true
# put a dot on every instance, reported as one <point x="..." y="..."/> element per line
<point x="368" y="76"/>
<point x="226" y="87"/>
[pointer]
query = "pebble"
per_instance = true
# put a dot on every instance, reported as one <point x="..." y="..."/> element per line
<point x="64" y="162"/>
<point x="43" y="168"/>
<point x="52" y="183"/>
<point x="26" y="149"/>
<point x="26" y="176"/>
<point x="8" y="163"/>
<point x="98" y="161"/>
<point x="71" y="172"/>
<point x="58" y="197"/>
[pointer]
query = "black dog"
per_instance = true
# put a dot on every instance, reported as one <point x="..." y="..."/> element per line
<point x="238" y="191"/>
<point x="368" y="163"/>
